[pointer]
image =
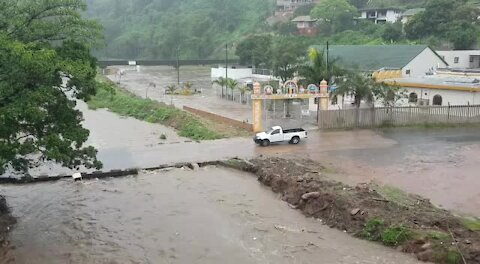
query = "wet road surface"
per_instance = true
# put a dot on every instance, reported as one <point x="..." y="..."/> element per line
<point x="212" y="215"/>
<point x="441" y="164"/>
<point x="208" y="100"/>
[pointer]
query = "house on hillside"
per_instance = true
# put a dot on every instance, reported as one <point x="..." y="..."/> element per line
<point x="400" y="60"/>
<point x="381" y="15"/>
<point x="291" y="5"/>
<point x="306" y="26"/>
<point x="285" y="9"/>
<point x="463" y="59"/>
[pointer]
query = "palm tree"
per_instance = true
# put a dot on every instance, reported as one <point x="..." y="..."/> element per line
<point x="232" y="84"/>
<point x="316" y="69"/>
<point x="360" y="87"/>
<point x="242" y="90"/>
<point x="222" y="82"/>
<point x="171" y="89"/>
<point x="187" y="85"/>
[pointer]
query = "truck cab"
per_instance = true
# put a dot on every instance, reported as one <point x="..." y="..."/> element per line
<point x="277" y="134"/>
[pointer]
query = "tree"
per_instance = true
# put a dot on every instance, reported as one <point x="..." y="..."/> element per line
<point x="242" y="89"/>
<point x="254" y="50"/>
<point x="462" y="35"/>
<point x="222" y="82"/>
<point x="42" y="44"/>
<point x="171" y="89"/>
<point x="359" y="87"/>
<point x="393" y="32"/>
<point x="453" y="20"/>
<point x="316" y="69"/>
<point x="285" y="55"/>
<point x="366" y="89"/>
<point x="187" y="85"/>
<point x="232" y="85"/>
<point x="337" y="14"/>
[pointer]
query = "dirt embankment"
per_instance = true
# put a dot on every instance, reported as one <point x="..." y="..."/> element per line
<point x="406" y="222"/>
<point x="6" y="221"/>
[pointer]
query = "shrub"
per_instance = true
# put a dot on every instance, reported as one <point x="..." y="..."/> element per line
<point x="396" y="235"/>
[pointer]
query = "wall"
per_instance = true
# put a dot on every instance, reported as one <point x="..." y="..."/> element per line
<point x="392" y="16"/>
<point x="448" y="96"/>
<point x="398" y="116"/>
<point x="423" y="63"/>
<point x="463" y="56"/>
<point x="219" y="118"/>
<point x="232" y="73"/>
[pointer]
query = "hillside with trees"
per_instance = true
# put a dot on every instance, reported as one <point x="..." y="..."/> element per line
<point x="155" y="29"/>
<point x="199" y="29"/>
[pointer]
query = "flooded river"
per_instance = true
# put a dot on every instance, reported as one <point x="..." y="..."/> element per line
<point x="212" y="215"/>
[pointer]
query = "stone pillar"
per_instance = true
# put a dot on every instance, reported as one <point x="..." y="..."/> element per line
<point x="324" y="98"/>
<point x="257" y="108"/>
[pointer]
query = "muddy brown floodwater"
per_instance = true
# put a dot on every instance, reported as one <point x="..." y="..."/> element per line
<point x="212" y="215"/>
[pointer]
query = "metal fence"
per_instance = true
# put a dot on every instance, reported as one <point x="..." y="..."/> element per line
<point x="399" y="116"/>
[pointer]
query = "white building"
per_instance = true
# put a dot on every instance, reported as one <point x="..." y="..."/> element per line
<point x="437" y="90"/>
<point x="381" y="15"/>
<point x="464" y="59"/>
<point x="408" y="60"/>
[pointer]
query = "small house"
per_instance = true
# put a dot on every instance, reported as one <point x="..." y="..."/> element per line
<point x="306" y="26"/>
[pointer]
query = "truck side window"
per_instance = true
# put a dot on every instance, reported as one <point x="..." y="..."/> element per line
<point x="275" y="132"/>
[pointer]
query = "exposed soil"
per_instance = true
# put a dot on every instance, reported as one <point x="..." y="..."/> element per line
<point x="6" y="221"/>
<point x="433" y="234"/>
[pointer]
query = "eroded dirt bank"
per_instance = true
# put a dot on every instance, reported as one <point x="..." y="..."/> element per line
<point x="406" y="222"/>
<point x="6" y="223"/>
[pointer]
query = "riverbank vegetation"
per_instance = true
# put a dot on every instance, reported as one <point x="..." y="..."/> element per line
<point x="386" y="215"/>
<point x="122" y="102"/>
<point x="45" y="54"/>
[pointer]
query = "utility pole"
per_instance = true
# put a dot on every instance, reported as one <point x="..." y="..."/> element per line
<point x="226" y="69"/>
<point x="328" y="80"/>
<point x="178" y="65"/>
<point x="328" y="69"/>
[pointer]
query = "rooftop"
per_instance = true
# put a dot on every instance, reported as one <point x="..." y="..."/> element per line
<point x="304" y="19"/>
<point x="439" y="82"/>
<point x="413" y="11"/>
<point x="380" y="9"/>
<point x="373" y="57"/>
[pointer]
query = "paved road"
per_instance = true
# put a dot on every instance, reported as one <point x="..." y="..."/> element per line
<point x="138" y="83"/>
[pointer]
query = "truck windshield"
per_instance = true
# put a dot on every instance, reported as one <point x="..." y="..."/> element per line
<point x="270" y="130"/>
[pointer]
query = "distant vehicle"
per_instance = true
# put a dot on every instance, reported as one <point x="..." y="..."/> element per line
<point x="278" y="134"/>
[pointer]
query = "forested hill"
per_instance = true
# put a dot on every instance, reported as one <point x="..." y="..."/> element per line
<point x="153" y="29"/>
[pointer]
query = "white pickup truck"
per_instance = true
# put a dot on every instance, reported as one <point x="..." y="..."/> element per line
<point x="277" y="134"/>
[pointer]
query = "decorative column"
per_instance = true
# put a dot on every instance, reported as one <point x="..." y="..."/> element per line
<point x="324" y="98"/>
<point x="257" y="108"/>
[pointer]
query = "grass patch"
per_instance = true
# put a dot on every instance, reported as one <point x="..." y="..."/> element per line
<point x="125" y="103"/>
<point x="473" y="224"/>
<point x="395" y="195"/>
<point x="372" y="230"/>
<point x="438" y="235"/>
<point x="395" y="235"/>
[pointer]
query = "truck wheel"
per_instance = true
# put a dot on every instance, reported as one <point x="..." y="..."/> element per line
<point x="295" y="140"/>
<point x="265" y="143"/>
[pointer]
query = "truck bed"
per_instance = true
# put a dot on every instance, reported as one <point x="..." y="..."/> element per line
<point x="293" y="130"/>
